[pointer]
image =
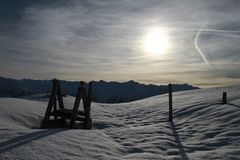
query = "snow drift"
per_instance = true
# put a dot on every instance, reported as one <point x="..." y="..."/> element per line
<point x="202" y="128"/>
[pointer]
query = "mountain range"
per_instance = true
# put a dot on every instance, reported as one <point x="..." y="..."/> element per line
<point x="103" y="92"/>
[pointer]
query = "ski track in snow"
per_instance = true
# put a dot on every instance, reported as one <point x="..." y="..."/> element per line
<point x="202" y="128"/>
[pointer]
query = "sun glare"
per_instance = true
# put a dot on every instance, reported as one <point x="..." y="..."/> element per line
<point x="156" y="42"/>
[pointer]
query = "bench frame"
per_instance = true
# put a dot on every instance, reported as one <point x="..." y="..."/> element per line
<point x="58" y="111"/>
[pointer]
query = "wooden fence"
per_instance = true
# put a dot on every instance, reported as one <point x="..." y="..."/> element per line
<point x="224" y="101"/>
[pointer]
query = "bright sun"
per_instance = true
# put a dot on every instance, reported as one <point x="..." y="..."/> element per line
<point x="156" y="42"/>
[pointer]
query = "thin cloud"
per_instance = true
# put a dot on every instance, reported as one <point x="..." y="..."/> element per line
<point x="71" y="39"/>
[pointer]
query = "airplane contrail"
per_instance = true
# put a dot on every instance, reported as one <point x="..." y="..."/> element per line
<point x="198" y="48"/>
<point x="209" y="30"/>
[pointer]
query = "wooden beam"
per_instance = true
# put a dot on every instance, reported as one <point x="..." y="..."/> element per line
<point x="76" y="107"/>
<point x="55" y="84"/>
<point x="60" y="97"/>
<point x="55" y="108"/>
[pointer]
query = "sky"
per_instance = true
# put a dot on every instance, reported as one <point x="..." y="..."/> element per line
<point x="104" y="40"/>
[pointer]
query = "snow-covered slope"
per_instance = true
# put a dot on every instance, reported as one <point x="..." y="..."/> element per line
<point x="202" y="128"/>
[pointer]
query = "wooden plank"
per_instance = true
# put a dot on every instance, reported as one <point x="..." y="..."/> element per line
<point x="55" y="108"/>
<point x="84" y="95"/>
<point x="81" y="119"/>
<point x="67" y="111"/>
<point x="51" y="101"/>
<point x="60" y="97"/>
<point x="76" y="107"/>
<point x="90" y="90"/>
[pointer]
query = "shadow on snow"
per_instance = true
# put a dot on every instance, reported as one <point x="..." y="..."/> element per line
<point x="27" y="138"/>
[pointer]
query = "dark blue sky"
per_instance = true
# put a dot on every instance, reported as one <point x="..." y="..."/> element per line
<point x="100" y="39"/>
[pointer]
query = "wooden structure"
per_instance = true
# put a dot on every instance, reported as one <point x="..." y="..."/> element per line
<point x="67" y="117"/>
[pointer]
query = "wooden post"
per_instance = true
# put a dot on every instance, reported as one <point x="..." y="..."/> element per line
<point x="55" y="84"/>
<point x="88" y="121"/>
<point x="224" y="98"/>
<point x="170" y="101"/>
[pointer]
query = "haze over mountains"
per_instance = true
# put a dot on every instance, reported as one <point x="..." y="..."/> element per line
<point x="104" y="92"/>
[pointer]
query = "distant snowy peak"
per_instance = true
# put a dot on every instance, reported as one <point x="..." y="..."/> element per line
<point x="104" y="92"/>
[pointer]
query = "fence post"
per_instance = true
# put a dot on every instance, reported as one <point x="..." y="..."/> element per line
<point x="170" y="101"/>
<point x="224" y="98"/>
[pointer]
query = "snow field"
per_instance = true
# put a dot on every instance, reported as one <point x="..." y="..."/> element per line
<point x="202" y="128"/>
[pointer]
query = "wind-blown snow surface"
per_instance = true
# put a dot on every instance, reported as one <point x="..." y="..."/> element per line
<point x="203" y="128"/>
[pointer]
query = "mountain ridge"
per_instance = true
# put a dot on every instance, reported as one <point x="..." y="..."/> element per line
<point x="103" y="91"/>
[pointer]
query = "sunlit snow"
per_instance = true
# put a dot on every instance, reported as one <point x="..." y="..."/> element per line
<point x="202" y="128"/>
